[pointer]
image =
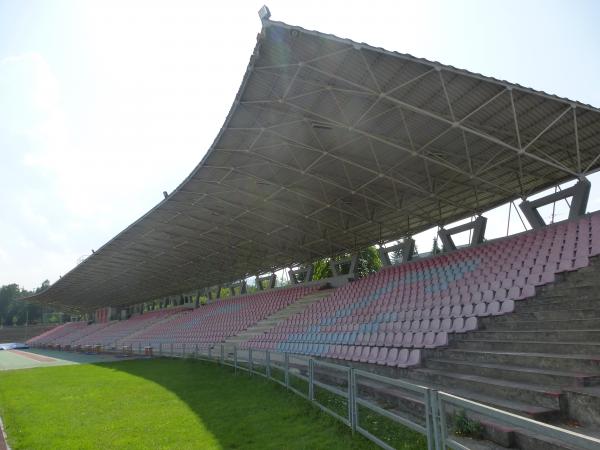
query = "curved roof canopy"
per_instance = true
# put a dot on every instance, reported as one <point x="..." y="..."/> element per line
<point x="332" y="145"/>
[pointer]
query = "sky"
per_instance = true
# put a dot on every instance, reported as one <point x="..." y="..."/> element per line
<point x="106" y="104"/>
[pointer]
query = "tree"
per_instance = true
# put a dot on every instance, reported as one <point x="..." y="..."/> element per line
<point x="368" y="262"/>
<point x="322" y="269"/>
<point x="16" y="311"/>
<point x="396" y="257"/>
<point x="436" y="247"/>
<point x="8" y="294"/>
<point x="45" y="285"/>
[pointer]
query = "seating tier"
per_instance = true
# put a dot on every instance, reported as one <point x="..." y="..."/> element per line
<point x="388" y="317"/>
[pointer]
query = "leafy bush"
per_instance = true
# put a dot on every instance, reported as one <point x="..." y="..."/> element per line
<point x="465" y="427"/>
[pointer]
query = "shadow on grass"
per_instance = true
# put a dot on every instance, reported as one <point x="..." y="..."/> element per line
<point x="245" y="411"/>
<point x="264" y="413"/>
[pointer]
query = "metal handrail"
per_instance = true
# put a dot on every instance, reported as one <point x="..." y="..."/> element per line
<point x="551" y="431"/>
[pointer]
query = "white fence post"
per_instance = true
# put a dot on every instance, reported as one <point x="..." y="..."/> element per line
<point x="268" y="362"/>
<point x="311" y="376"/>
<point x="440" y="418"/>
<point x="286" y="358"/>
<point x="235" y="358"/>
<point x="430" y="421"/>
<point x="351" y="398"/>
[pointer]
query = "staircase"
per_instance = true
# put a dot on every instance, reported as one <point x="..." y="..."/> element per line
<point x="142" y="331"/>
<point x="542" y="361"/>
<point x="266" y="324"/>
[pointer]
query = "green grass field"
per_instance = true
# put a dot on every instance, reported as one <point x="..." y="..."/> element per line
<point x="167" y="404"/>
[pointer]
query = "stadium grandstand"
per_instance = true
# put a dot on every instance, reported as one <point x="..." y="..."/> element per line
<point x="332" y="146"/>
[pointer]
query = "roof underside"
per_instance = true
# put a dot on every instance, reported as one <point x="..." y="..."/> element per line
<point x="330" y="146"/>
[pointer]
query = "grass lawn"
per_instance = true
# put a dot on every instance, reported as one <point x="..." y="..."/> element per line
<point x="165" y="404"/>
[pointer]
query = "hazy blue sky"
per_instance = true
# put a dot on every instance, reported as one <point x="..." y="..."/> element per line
<point x="104" y="105"/>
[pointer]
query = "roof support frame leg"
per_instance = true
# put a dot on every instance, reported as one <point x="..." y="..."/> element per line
<point x="336" y="265"/>
<point x="478" y="227"/>
<point x="258" y="283"/>
<point x="580" y="192"/>
<point x="406" y="247"/>
<point x="271" y="279"/>
<point x="306" y="272"/>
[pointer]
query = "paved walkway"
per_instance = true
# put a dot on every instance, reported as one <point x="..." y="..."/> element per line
<point x="28" y="359"/>
<point x="3" y="444"/>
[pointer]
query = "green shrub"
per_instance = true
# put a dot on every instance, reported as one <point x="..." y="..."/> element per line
<point x="465" y="427"/>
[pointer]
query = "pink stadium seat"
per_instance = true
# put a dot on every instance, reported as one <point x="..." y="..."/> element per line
<point x="382" y="356"/>
<point x="392" y="357"/>
<point x="373" y="355"/>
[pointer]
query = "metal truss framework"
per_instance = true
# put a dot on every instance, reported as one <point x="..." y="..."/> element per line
<point x="331" y="146"/>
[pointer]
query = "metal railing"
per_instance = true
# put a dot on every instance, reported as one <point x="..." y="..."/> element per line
<point x="426" y="411"/>
<point x="445" y="401"/>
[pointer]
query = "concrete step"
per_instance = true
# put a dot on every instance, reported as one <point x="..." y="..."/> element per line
<point x="583" y="405"/>
<point x="537" y="324"/>
<point x="528" y="440"/>
<point x="550" y="336"/>
<point x="514" y="406"/>
<point x="571" y="348"/>
<point x="567" y="289"/>
<point x="584" y="281"/>
<point x="582" y="275"/>
<point x="556" y="314"/>
<point x="560" y="303"/>
<point x="550" y="361"/>
<point x="533" y="394"/>
<point x="589" y="293"/>
<point x="523" y="374"/>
